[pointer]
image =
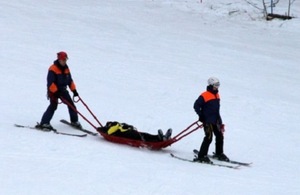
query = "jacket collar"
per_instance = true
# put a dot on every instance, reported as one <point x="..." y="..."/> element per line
<point x="56" y="63"/>
<point x="210" y="88"/>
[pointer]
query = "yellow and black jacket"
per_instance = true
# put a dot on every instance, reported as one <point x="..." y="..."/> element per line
<point x="127" y="131"/>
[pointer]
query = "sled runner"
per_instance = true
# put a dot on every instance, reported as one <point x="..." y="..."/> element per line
<point x="136" y="143"/>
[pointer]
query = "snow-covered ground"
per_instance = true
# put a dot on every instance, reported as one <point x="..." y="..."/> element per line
<point x="145" y="62"/>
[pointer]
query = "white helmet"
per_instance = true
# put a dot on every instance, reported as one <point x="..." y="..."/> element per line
<point x="213" y="81"/>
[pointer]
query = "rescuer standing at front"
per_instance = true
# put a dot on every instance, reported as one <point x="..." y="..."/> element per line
<point x="207" y="106"/>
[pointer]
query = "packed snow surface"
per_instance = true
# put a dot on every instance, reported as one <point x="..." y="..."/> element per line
<point x="144" y="62"/>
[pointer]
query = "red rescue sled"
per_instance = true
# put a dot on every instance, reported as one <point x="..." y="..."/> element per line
<point x="136" y="143"/>
<point x="152" y="145"/>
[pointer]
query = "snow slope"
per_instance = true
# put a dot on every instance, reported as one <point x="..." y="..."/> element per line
<point x="145" y="62"/>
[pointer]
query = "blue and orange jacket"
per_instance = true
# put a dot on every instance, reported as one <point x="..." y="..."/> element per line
<point x="207" y="106"/>
<point x="59" y="77"/>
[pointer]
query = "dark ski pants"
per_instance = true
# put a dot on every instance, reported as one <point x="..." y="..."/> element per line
<point x="209" y="130"/>
<point x="48" y="114"/>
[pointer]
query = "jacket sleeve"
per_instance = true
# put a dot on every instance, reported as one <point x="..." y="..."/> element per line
<point x="51" y="86"/>
<point x="220" y="119"/>
<point x="72" y="85"/>
<point x="198" y="105"/>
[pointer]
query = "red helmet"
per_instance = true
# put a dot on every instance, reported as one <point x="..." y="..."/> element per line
<point x="62" y="55"/>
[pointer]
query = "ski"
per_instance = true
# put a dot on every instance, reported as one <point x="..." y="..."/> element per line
<point x="230" y="161"/>
<point x="212" y="164"/>
<point x="53" y="130"/>
<point x="79" y="129"/>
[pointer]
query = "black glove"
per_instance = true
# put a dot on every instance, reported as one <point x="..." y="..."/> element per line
<point x="75" y="93"/>
<point x="222" y="128"/>
<point x="201" y="118"/>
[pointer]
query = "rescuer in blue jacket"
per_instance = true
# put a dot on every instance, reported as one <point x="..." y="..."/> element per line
<point x="58" y="78"/>
<point x="207" y="106"/>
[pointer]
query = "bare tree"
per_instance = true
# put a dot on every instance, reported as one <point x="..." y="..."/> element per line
<point x="264" y="9"/>
<point x="271" y="4"/>
<point x="289" y="8"/>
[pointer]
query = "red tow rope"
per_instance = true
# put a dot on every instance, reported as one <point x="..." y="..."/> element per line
<point x="190" y="129"/>
<point x="79" y="99"/>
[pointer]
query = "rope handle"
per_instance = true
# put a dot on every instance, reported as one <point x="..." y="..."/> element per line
<point x="73" y="108"/>
<point x="187" y="131"/>
<point x="74" y="99"/>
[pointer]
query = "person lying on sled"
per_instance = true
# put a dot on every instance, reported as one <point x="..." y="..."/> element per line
<point x="128" y="131"/>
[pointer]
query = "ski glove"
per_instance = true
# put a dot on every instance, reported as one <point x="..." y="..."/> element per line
<point x="201" y="118"/>
<point x="75" y="93"/>
<point x="222" y="128"/>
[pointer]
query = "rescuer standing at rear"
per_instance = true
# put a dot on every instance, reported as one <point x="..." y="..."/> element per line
<point x="207" y="106"/>
<point x="58" y="78"/>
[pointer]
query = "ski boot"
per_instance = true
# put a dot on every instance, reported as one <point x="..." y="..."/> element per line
<point x="203" y="159"/>
<point x="44" y="127"/>
<point x="76" y="125"/>
<point x="221" y="157"/>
